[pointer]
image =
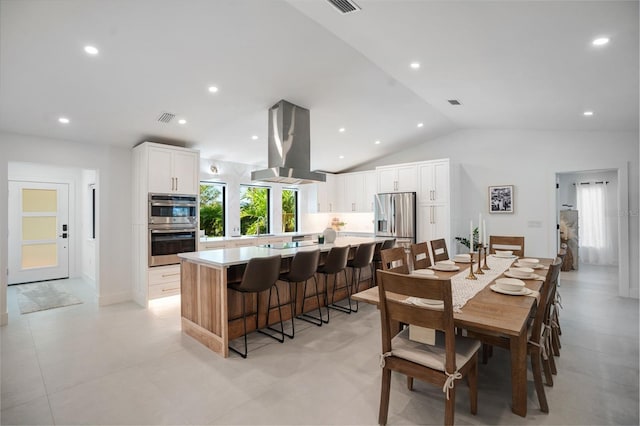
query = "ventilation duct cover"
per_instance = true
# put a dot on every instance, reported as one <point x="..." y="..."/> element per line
<point x="344" y="6"/>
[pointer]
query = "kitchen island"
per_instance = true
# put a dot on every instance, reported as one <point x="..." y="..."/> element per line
<point x="212" y="315"/>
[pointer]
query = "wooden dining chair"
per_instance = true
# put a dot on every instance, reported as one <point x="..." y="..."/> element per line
<point x="420" y="256"/>
<point x="556" y="305"/>
<point x="450" y="359"/>
<point x="538" y="347"/>
<point x="395" y="260"/>
<point x="439" y="250"/>
<point x="515" y="244"/>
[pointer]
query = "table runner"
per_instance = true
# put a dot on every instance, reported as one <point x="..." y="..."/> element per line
<point x="463" y="289"/>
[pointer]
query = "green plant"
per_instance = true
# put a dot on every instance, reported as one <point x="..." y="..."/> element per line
<point x="254" y="210"/>
<point x="465" y="241"/>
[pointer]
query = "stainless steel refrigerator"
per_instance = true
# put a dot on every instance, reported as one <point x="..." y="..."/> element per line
<point x="395" y="216"/>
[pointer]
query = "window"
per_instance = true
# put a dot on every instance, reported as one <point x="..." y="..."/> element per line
<point x="289" y="210"/>
<point x="254" y="210"/>
<point x="596" y="244"/>
<point x="212" y="200"/>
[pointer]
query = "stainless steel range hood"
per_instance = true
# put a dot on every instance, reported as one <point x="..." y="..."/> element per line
<point x="289" y="147"/>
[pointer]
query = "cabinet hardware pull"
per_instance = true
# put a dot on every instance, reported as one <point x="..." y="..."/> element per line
<point x="170" y="289"/>
<point x="176" y="184"/>
<point x="170" y="275"/>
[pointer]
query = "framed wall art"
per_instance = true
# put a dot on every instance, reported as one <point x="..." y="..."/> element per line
<point x="501" y="199"/>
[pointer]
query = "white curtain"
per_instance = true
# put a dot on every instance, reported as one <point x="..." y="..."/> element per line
<point x="594" y="228"/>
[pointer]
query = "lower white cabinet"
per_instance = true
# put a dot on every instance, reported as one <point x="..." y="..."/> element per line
<point x="163" y="281"/>
<point x="433" y="222"/>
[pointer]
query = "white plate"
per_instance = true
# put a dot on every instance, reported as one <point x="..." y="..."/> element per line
<point x="445" y="267"/>
<point x="501" y="256"/>
<point x="520" y="265"/>
<point x="423" y="272"/>
<point x="523" y="292"/>
<point x="531" y="277"/>
<point x="462" y="261"/>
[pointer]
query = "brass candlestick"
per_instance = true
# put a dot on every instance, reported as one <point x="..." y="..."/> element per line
<point x="479" y="270"/>
<point x="485" y="266"/>
<point x="471" y="276"/>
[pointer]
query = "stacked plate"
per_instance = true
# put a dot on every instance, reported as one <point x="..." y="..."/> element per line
<point x="507" y="254"/>
<point x="510" y="286"/>
<point x="529" y="263"/>
<point x="423" y="272"/>
<point x="523" y="273"/>
<point x="446" y="265"/>
<point x="462" y="258"/>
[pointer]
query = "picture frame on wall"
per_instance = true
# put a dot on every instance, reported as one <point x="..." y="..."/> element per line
<point x="501" y="199"/>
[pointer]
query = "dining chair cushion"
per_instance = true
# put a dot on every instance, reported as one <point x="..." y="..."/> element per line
<point x="432" y="356"/>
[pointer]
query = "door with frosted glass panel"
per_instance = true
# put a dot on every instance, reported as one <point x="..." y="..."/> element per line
<point x="38" y="231"/>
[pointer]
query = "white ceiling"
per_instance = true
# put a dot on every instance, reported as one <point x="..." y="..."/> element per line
<point x="525" y="65"/>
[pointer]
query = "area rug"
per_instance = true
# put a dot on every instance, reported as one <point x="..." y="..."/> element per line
<point x="42" y="296"/>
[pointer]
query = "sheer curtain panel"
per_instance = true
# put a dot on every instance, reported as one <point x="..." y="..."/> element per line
<point x="596" y="243"/>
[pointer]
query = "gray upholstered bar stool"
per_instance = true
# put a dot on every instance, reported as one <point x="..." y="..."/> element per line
<point x="362" y="259"/>
<point x="303" y="267"/>
<point x="335" y="263"/>
<point x="261" y="274"/>
<point x="377" y="260"/>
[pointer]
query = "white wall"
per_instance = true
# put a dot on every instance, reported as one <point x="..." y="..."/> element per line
<point x="113" y="176"/>
<point x="529" y="160"/>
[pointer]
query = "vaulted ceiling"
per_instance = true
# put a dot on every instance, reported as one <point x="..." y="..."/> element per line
<point x="512" y="65"/>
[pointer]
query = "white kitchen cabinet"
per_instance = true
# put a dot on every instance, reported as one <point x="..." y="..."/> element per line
<point x="433" y="222"/>
<point x="358" y="190"/>
<point x="398" y="178"/>
<point x="173" y="170"/>
<point x="434" y="182"/>
<point x="163" y="281"/>
<point x="327" y="195"/>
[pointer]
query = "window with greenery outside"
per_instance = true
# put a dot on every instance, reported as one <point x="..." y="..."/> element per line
<point x="289" y="210"/>
<point x="254" y="210"/>
<point x="212" y="209"/>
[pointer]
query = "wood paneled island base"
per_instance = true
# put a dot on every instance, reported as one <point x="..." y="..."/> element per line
<point x="211" y="313"/>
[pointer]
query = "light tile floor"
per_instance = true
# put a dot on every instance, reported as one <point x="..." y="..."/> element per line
<point x="122" y="364"/>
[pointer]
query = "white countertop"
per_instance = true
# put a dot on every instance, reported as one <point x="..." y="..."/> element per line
<point x="236" y="256"/>
<point x="246" y="237"/>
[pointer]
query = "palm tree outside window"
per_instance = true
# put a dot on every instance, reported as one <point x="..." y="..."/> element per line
<point x="289" y="210"/>
<point x="254" y="210"/>
<point x="212" y="200"/>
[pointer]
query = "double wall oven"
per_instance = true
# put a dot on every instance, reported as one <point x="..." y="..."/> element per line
<point x="173" y="227"/>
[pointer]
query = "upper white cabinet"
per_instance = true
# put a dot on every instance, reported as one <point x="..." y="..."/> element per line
<point x="398" y="178"/>
<point x="434" y="182"/>
<point x="327" y="195"/>
<point x="172" y="170"/>
<point x="358" y="190"/>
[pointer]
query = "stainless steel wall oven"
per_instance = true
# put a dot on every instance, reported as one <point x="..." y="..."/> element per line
<point x="173" y="227"/>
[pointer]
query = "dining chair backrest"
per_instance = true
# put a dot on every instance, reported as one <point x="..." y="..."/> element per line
<point x="394" y="259"/>
<point x="439" y="250"/>
<point x="396" y="310"/>
<point x="420" y="255"/>
<point x="336" y="260"/>
<point x="260" y="274"/>
<point x="515" y="244"/>
<point x="547" y="292"/>
<point x="303" y="266"/>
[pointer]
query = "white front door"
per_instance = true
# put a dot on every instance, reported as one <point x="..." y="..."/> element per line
<point x="38" y="231"/>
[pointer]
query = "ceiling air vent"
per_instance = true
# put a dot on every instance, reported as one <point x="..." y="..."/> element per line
<point x="166" y="117"/>
<point x="345" y="6"/>
<point x="454" y="102"/>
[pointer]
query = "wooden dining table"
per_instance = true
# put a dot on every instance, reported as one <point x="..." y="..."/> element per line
<point x="496" y="313"/>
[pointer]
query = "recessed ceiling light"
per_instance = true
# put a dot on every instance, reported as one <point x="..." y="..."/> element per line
<point x="600" y="41"/>
<point x="64" y="120"/>
<point x="587" y="113"/>
<point x="213" y="89"/>
<point x="415" y="65"/>
<point x="254" y="137"/>
<point x="341" y="157"/>
<point x="420" y="124"/>
<point x="341" y="129"/>
<point x="91" y="50"/>
<point x="182" y="121"/>
<point x="377" y="142"/>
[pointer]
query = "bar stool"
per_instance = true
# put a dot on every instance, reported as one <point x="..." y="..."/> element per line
<point x="260" y="274"/>
<point x="303" y="267"/>
<point x="335" y="263"/>
<point x="377" y="260"/>
<point x="362" y="259"/>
